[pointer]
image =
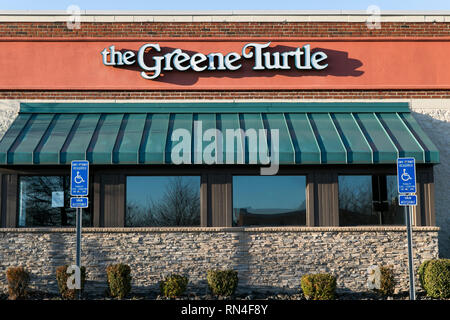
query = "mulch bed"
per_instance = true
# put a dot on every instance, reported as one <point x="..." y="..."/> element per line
<point x="39" y="295"/>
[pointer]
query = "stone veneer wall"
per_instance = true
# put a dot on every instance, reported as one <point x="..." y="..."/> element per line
<point x="9" y="109"/>
<point x="270" y="259"/>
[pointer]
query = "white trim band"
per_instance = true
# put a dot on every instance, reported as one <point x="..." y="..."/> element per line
<point x="225" y="16"/>
<point x="415" y="104"/>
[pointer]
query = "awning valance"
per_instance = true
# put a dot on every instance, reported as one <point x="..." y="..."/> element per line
<point x="140" y="133"/>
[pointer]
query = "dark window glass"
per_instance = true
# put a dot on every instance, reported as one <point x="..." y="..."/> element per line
<point x="45" y="202"/>
<point x="369" y="200"/>
<point x="269" y="200"/>
<point x="159" y="201"/>
<point x="394" y="214"/>
<point x="355" y="201"/>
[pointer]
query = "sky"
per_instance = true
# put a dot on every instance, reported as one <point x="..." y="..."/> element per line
<point x="423" y="5"/>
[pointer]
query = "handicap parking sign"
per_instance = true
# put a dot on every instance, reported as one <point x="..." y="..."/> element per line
<point x="79" y="178"/>
<point x="406" y="175"/>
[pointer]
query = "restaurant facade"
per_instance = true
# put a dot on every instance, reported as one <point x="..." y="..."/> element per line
<point x="264" y="142"/>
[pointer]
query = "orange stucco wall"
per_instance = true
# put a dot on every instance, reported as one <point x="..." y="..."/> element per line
<point x="354" y="63"/>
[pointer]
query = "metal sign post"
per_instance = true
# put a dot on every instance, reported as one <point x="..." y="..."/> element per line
<point x="412" y="288"/>
<point x="78" y="231"/>
<point x="406" y="181"/>
<point x="79" y="187"/>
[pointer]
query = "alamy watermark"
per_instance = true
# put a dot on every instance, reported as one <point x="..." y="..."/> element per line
<point x="74" y="279"/>
<point x="212" y="146"/>
<point x="74" y="18"/>
<point x="374" y="277"/>
<point x="374" y="20"/>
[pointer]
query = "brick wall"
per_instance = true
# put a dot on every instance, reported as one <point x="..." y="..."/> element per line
<point x="217" y="95"/>
<point x="224" y="29"/>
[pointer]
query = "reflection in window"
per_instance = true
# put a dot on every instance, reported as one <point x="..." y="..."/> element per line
<point x="269" y="200"/>
<point x="394" y="214"/>
<point x="355" y="201"/>
<point x="162" y="201"/>
<point x="45" y="202"/>
<point x="369" y="200"/>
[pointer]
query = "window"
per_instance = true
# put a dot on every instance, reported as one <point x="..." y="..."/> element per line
<point x="45" y="202"/>
<point x="269" y="200"/>
<point x="369" y="200"/>
<point x="394" y="214"/>
<point x="162" y="201"/>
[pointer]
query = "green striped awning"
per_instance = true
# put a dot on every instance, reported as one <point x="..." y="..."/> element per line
<point x="141" y="133"/>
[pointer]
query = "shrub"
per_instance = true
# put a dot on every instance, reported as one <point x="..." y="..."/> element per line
<point x="434" y="276"/>
<point x="173" y="285"/>
<point x="222" y="282"/>
<point x="62" y="276"/>
<point x="119" y="280"/>
<point x="387" y="281"/>
<point x="18" y="279"/>
<point x="320" y="286"/>
<point x="421" y="272"/>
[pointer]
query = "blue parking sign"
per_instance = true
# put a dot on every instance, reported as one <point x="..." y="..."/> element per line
<point x="79" y="202"/>
<point x="79" y="178"/>
<point x="407" y="200"/>
<point x="406" y="175"/>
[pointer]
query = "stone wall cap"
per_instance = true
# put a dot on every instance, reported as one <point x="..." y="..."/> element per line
<point x="221" y="229"/>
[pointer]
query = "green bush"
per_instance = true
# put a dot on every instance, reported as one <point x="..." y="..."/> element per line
<point x="421" y="272"/>
<point x="320" y="286"/>
<point x="222" y="282"/>
<point x="119" y="280"/>
<point x="173" y="286"/>
<point x="62" y="276"/>
<point x="434" y="276"/>
<point x="387" y="281"/>
<point x="18" y="279"/>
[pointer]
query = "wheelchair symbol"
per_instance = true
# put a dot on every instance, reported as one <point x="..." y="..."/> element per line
<point x="405" y="176"/>
<point x="78" y="179"/>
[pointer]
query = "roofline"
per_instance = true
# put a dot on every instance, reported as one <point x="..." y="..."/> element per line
<point x="225" y="12"/>
<point x="225" y="16"/>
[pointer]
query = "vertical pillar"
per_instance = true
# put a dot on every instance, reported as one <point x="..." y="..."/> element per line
<point x="220" y="199"/>
<point x="113" y="198"/>
<point x="310" y="203"/>
<point x="326" y="210"/>
<point x="10" y="199"/>
<point x="426" y="196"/>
